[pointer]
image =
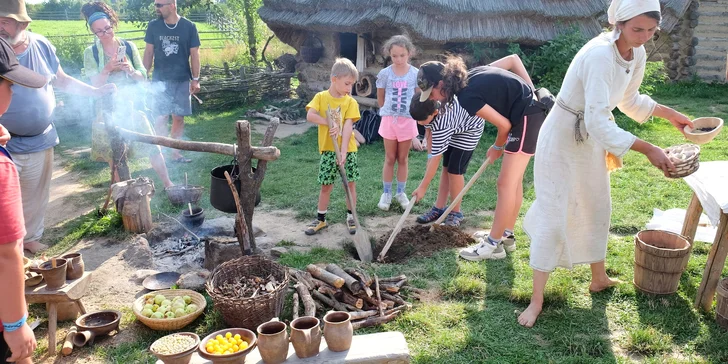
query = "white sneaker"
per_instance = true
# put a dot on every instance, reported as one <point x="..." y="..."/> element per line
<point x="402" y="199"/>
<point x="483" y="250"/>
<point x="385" y="201"/>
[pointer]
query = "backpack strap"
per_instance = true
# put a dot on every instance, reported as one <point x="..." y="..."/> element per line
<point x="95" y="51"/>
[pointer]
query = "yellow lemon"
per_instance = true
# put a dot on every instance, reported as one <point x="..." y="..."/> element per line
<point x="218" y="337"/>
<point x="235" y="348"/>
<point x="244" y="345"/>
<point x="228" y="335"/>
<point x="237" y="336"/>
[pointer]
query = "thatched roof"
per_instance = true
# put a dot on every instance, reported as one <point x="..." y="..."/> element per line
<point x="440" y="21"/>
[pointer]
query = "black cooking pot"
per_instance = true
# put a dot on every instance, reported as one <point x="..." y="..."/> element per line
<point x="220" y="196"/>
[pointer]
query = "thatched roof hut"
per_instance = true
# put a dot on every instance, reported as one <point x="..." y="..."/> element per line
<point x="356" y="29"/>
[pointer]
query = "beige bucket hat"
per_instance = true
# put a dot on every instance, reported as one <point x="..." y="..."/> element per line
<point x="14" y="9"/>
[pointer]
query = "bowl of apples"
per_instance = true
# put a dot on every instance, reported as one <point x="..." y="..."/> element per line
<point x="170" y="309"/>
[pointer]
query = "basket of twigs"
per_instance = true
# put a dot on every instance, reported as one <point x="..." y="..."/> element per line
<point x="248" y="291"/>
<point x="685" y="157"/>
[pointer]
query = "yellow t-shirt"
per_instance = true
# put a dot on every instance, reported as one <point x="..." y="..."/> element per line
<point x="349" y="110"/>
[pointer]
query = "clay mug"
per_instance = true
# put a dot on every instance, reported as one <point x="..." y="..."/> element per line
<point x="306" y="336"/>
<point x="338" y="330"/>
<point x="273" y="341"/>
<point x="75" y="266"/>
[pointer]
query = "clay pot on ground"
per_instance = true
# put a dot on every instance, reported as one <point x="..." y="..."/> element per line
<point x="273" y="342"/>
<point x="75" y="267"/>
<point x="306" y="336"/>
<point x="338" y="330"/>
<point x="195" y="219"/>
<point x="55" y="277"/>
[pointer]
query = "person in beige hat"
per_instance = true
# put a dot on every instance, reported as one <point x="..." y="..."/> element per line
<point x="29" y="118"/>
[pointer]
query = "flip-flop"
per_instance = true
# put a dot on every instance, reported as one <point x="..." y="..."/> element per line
<point x="181" y="160"/>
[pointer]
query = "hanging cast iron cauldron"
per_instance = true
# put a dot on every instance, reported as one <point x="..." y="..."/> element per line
<point x="221" y="197"/>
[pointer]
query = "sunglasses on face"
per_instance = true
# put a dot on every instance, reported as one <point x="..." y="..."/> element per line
<point x="106" y="30"/>
<point x="158" y="5"/>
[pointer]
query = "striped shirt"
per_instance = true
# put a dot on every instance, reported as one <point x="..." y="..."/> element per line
<point x="454" y="127"/>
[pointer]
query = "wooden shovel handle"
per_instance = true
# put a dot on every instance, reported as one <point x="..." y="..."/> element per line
<point x="460" y="195"/>
<point x="397" y="229"/>
<point x="342" y="172"/>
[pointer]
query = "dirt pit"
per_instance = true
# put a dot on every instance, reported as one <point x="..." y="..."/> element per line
<point x="418" y="241"/>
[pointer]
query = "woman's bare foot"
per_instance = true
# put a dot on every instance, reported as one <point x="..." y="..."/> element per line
<point x="528" y="317"/>
<point x="34" y="247"/>
<point x="602" y="284"/>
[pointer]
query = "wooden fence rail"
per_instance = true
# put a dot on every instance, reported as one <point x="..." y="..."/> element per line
<point x="72" y="15"/>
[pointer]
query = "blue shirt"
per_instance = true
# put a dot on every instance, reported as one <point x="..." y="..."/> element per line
<point x="30" y="115"/>
<point x="398" y="91"/>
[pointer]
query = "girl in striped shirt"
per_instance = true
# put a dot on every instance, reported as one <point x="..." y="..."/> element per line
<point x="451" y="136"/>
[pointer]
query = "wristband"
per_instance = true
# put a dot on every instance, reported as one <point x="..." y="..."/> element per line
<point x="15" y="325"/>
<point x="195" y="78"/>
<point x="429" y="155"/>
<point x="495" y="147"/>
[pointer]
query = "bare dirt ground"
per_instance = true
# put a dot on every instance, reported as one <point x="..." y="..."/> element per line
<point x="115" y="282"/>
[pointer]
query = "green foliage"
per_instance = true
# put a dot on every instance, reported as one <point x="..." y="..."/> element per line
<point x="648" y="341"/>
<point x="71" y="6"/>
<point x="484" y="53"/>
<point x="547" y="65"/>
<point x="142" y="11"/>
<point x="655" y="76"/>
<point x="70" y="53"/>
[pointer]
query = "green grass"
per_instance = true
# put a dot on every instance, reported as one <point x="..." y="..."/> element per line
<point x="474" y="320"/>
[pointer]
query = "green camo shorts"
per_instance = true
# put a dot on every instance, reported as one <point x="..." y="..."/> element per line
<point x="329" y="171"/>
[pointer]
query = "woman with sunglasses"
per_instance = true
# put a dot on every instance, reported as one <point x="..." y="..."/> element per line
<point x="501" y="93"/>
<point x="114" y="60"/>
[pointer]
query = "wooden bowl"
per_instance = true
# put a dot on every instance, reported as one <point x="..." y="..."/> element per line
<point x="701" y="137"/>
<point x="177" y="322"/>
<point x="33" y="279"/>
<point x="238" y="357"/>
<point x="182" y="357"/>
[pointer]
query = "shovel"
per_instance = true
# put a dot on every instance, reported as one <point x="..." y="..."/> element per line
<point x="461" y="194"/>
<point x="397" y="229"/>
<point x="361" y="238"/>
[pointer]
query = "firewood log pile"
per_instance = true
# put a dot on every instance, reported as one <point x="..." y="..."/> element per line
<point x="292" y="113"/>
<point x="370" y="300"/>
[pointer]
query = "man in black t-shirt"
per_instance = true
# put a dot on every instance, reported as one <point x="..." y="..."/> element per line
<point x="172" y="44"/>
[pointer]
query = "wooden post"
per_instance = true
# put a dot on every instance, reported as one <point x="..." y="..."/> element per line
<point x="132" y="201"/>
<point x="250" y="182"/>
<point x="692" y="218"/>
<point x="714" y="266"/>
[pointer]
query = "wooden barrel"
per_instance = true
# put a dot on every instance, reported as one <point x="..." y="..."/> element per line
<point x="721" y="307"/>
<point x="660" y="257"/>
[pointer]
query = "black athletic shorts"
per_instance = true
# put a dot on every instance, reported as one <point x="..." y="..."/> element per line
<point x="4" y="350"/>
<point x="523" y="136"/>
<point x="456" y="160"/>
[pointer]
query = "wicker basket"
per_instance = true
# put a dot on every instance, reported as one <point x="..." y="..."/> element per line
<point x="175" y="323"/>
<point x="248" y="312"/>
<point x="685" y="157"/>
<point x="183" y="194"/>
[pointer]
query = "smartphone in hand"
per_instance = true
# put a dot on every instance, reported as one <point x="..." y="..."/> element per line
<point x="121" y="53"/>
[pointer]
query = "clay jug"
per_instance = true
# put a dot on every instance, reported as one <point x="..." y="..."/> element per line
<point x="75" y="266"/>
<point x="55" y="277"/>
<point x="306" y="336"/>
<point x="338" y="330"/>
<point x="273" y="342"/>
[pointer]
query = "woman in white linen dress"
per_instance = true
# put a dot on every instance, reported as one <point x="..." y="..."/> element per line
<point x="569" y="221"/>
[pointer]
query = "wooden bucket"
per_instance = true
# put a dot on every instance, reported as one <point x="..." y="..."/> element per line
<point x="721" y="307"/>
<point x="660" y="257"/>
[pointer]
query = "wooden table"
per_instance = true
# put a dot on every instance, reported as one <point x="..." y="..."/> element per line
<point x="709" y="192"/>
<point x="72" y="291"/>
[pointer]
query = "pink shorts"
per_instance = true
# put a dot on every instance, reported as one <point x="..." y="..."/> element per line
<point x="398" y="128"/>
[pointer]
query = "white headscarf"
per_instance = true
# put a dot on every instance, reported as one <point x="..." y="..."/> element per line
<point x="623" y="10"/>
